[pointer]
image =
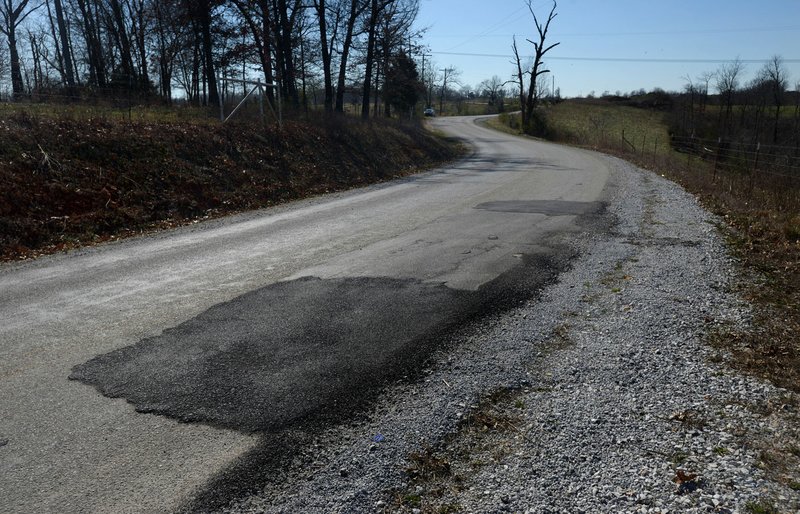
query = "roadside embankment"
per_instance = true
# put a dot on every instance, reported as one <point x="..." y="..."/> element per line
<point x="69" y="181"/>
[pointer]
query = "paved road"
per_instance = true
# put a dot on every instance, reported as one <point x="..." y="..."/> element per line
<point x="133" y="373"/>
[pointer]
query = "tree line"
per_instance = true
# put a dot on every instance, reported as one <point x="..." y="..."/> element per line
<point x="761" y="109"/>
<point x="203" y="50"/>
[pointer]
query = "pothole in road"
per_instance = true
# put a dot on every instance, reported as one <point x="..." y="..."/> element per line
<point x="546" y="207"/>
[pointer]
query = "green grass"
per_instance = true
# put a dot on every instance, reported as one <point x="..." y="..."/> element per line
<point x="505" y="122"/>
<point x="604" y="126"/>
<point x="679" y="457"/>
<point x="114" y="111"/>
<point x="477" y="107"/>
<point x="761" y="507"/>
<point x="721" y="451"/>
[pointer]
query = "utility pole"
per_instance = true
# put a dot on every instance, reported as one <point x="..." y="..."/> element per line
<point x="447" y="72"/>
<point x="427" y="99"/>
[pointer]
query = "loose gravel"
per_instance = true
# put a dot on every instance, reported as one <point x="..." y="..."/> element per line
<point x="598" y="396"/>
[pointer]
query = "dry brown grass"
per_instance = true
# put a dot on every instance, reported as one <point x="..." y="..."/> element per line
<point x="71" y="180"/>
<point x="762" y="225"/>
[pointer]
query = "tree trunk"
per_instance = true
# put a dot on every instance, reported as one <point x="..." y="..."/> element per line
<point x="284" y="47"/>
<point x="319" y="5"/>
<point x="140" y="36"/>
<point x="266" y="51"/>
<point x="373" y="21"/>
<point x="260" y="30"/>
<point x="377" y="93"/>
<point x="17" y="86"/>
<point x="541" y="50"/>
<point x="37" y="64"/>
<point x="97" y="75"/>
<point x="120" y="34"/>
<point x="65" y="51"/>
<point x="348" y="42"/>
<point x="521" y="81"/>
<point x="208" y="53"/>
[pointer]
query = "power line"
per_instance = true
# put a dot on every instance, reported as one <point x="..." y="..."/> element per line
<point x="636" y="33"/>
<point x="488" y="30"/>
<point x="624" y="59"/>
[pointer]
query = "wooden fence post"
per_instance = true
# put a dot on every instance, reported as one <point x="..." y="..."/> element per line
<point x="655" y="150"/>
<point x="755" y="168"/>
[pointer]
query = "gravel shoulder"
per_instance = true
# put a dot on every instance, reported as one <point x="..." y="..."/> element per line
<point x="598" y="396"/>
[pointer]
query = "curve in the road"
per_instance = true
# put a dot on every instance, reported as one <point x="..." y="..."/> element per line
<point x="220" y="324"/>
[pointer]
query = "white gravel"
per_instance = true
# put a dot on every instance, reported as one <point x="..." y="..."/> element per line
<point x="616" y="406"/>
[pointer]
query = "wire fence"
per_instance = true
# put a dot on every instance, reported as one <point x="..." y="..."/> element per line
<point x="750" y="158"/>
<point x="765" y="175"/>
<point x="738" y="167"/>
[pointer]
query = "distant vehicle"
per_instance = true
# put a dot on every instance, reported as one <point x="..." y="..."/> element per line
<point x="429" y="112"/>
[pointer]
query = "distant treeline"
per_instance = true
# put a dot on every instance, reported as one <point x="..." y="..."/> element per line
<point x="721" y="106"/>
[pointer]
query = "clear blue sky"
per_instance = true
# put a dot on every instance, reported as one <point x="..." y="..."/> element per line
<point x="667" y="30"/>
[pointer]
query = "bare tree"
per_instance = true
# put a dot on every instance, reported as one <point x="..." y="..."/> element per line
<point x="328" y="32"/>
<point x="541" y="49"/>
<point x="542" y="88"/>
<point x="4" y="64"/>
<point x="491" y="88"/>
<point x="776" y="77"/>
<point x="692" y="90"/>
<point x="201" y="13"/>
<point x="12" y="14"/>
<point x="86" y="12"/>
<point x="448" y="75"/>
<point x="62" y="46"/>
<point x="727" y="82"/>
<point x="257" y="16"/>
<point x="198" y="45"/>
<point x="796" y="117"/>
<point x="376" y="7"/>
<point x="170" y="37"/>
<point x="520" y="80"/>
<point x="355" y="9"/>
<point x="703" y="81"/>
<point x="286" y="16"/>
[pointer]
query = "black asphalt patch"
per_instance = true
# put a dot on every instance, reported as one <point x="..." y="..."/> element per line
<point x="278" y="354"/>
<point x="546" y="207"/>
<point x="292" y="350"/>
<point x="296" y="355"/>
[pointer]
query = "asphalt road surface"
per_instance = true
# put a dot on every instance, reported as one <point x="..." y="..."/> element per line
<point x="138" y="376"/>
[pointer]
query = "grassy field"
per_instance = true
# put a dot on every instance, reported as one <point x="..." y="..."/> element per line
<point x="616" y="129"/>
<point x="118" y="111"/>
<point x="465" y="108"/>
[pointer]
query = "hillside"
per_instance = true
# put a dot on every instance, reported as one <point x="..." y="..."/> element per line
<point x="70" y="181"/>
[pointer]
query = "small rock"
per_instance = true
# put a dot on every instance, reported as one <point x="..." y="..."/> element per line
<point x="343" y="472"/>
